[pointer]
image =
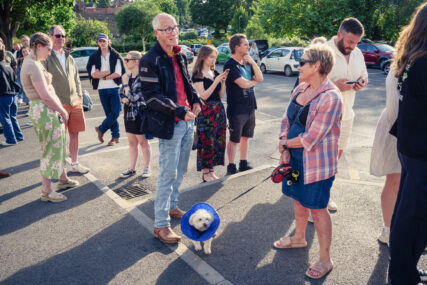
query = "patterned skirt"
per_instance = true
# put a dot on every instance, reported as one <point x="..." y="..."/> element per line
<point x="211" y="131"/>
<point x="51" y="135"/>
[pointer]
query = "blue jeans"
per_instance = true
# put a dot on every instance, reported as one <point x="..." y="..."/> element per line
<point x="21" y="93"/>
<point x="110" y="100"/>
<point x="173" y="162"/>
<point x="11" y="129"/>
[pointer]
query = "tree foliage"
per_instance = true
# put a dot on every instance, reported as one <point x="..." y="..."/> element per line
<point x="84" y="32"/>
<point x="183" y="14"/>
<point x="13" y="13"/>
<point x="239" y="21"/>
<point x="167" y="6"/>
<point x="135" y="19"/>
<point x="214" y="13"/>
<point x="40" y="20"/>
<point x="103" y="4"/>
<point x="382" y="19"/>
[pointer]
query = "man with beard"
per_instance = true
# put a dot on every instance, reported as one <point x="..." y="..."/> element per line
<point x="349" y="67"/>
<point x="241" y="103"/>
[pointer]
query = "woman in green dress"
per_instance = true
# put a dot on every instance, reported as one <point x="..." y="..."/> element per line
<point x="47" y="115"/>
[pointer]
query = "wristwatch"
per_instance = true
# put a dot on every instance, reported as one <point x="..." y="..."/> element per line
<point x="104" y="78"/>
<point x="285" y="146"/>
<point x="125" y="85"/>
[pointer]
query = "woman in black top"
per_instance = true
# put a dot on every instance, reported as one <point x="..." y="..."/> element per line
<point x="133" y="116"/>
<point x="211" y="122"/>
<point x="408" y="236"/>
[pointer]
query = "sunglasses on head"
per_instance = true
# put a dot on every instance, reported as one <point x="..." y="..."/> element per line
<point x="304" y="61"/>
<point x="60" y="36"/>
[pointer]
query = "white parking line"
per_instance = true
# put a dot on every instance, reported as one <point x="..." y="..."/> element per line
<point x="194" y="261"/>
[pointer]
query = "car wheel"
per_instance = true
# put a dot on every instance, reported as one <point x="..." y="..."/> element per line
<point x="263" y="68"/>
<point x="288" y="71"/>
<point x="386" y="68"/>
<point x="380" y="62"/>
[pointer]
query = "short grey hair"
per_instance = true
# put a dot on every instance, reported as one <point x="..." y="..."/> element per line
<point x="321" y="53"/>
<point x="156" y="20"/>
<point x="52" y="29"/>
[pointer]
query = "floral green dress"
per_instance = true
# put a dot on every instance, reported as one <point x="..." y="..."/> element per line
<point x="51" y="135"/>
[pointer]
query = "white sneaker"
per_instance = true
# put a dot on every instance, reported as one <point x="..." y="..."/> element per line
<point x="20" y="101"/>
<point x="146" y="172"/>
<point x="6" y="143"/>
<point x="332" y="206"/>
<point x="77" y="167"/>
<point x="384" y="237"/>
<point x="29" y="124"/>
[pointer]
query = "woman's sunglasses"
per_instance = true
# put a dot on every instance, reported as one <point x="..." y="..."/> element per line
<point x="304" y="61"/>
<point x="128" y="59"/>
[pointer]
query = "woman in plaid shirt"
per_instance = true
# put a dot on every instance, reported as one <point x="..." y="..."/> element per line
<point x="309" y="136"/>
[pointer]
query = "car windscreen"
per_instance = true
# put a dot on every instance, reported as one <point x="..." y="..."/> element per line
<point x="298" y="53"/>
<point x="385" y="48"/>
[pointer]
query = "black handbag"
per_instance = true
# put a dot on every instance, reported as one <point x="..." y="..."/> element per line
<point x="154" y="123"/>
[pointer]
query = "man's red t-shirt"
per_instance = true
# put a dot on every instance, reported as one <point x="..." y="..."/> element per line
<point x="180" y="89"/>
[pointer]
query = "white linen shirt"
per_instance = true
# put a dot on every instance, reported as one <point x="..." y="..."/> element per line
<point x="62" y="59"/>
<point x="105" y="66"/>
<point x="352" y="71"/>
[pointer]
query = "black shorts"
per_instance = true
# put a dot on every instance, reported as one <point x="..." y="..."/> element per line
<point x="242" y="125"/>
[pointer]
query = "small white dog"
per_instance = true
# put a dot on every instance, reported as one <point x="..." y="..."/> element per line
<point x="201" y="220"/>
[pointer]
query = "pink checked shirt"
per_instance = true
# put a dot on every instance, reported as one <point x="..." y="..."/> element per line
<point x="322" y="131"/>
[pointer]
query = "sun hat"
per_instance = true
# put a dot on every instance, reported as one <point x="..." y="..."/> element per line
<point x="191" y="232"/>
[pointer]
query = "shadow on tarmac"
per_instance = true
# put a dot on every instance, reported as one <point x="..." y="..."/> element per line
<point x="32" y="212"/>
<point x="96" y="261"/>
<point x="380" y="272"/>
<point x="10" y="195"/>
<point x="23" y="167"/>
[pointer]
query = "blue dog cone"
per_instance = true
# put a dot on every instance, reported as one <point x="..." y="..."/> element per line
<point x="191" y="232"/>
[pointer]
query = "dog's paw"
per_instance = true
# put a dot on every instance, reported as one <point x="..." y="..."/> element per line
<point x="197" y="246"/>
<point x="208" y="251"/>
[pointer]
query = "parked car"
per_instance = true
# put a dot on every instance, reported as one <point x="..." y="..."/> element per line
<point x="262" y="45"/>
<point x="195" y="48"/>
<point x="265" y="52"/>
<point x="385" y="66"/>
<point x="188" y="52"/>
<point x="224" y="53"/>
<point x="285" y="59"/>
<point x="81" y="56"/>
<point x="375" y="53"/>
<point x="223" y="45"/>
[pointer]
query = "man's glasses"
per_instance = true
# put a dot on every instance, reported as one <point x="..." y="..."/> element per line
<point x="169" y="30"/>
<point x="129" y="59"/>
<point x="304" y="61"/>
<point x="60" y="36"/>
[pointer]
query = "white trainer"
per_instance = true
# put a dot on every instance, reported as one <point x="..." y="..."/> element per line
<point x="384" y="237"/>
<point x="332" y="206"/>
<point x="77" y="167"/>
<point x="146" y="173"/>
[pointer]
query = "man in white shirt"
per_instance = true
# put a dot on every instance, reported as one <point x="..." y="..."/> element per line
<point x="349" y="74"/>
<point x="66" y="82"/>
<point x="105" y="68"/>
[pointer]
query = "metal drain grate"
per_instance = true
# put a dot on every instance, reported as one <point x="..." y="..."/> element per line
<point x="133" y="191"/>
